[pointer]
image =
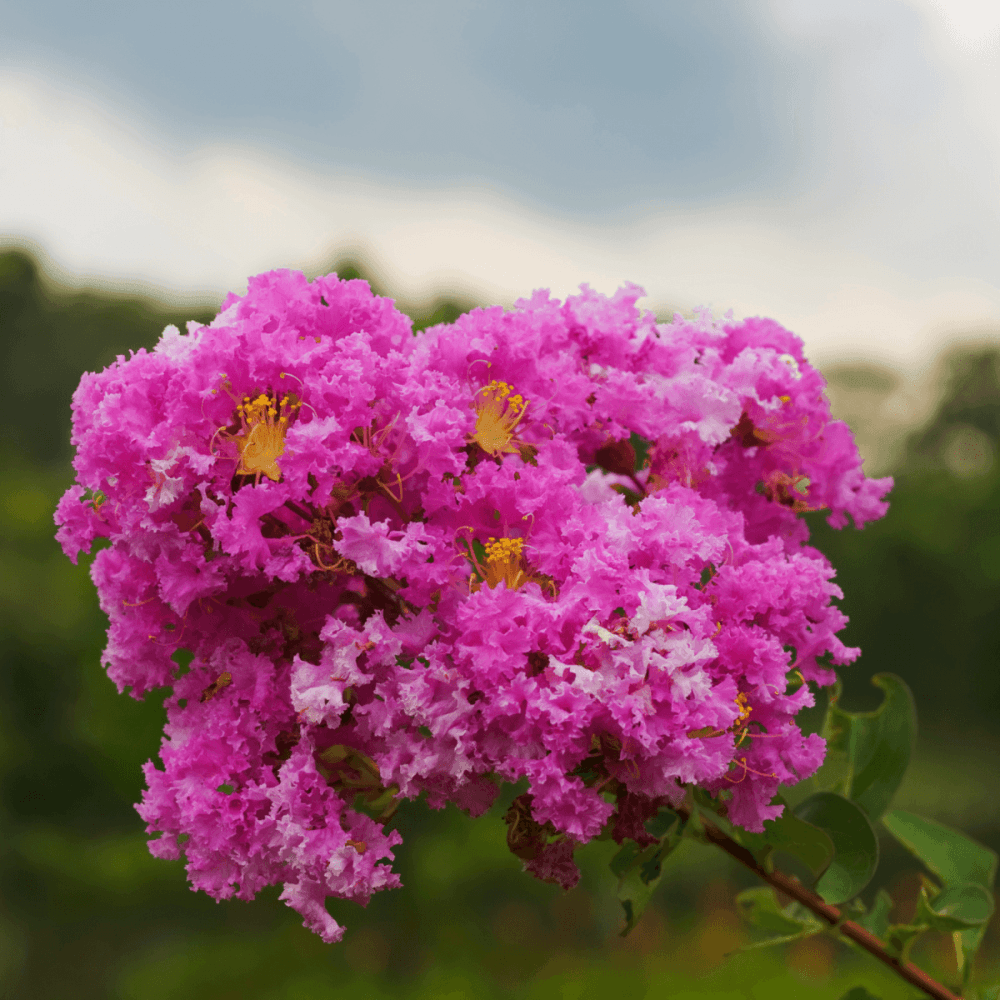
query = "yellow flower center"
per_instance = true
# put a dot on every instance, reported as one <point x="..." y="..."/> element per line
<point x="498" y="412"/>
<point x="503" y="562"/>
<point x="264" y="420"/>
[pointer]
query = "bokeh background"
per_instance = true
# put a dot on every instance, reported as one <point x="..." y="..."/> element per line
<point x="831" y="164"/>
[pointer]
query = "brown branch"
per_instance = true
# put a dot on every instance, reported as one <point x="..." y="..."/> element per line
<point x="855" y="932"/>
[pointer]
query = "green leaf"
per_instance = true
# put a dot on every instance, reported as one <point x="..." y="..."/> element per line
<point x="878" y="745"/>
<point x="760" y="908"/>
<point x="952" y="856"/>
<point x="641" y="447"/>
<point x="858" y="993"/>
<point x="634" y="894"/>
<point x="666" y="823"/>
<point x="955" y="908"/>
<point x="662" y="823"/>
<point x="773" y="942"/>
<point x="639" y="870"/>
<point x="625" y="858"/>
<point x="854" y="842"/>
<point x="792" y="834"/>
<point x="955" y="859"/>
<point x="967" y="943"/>
<point x="877" y="919"/>
<point x="899" y="939"/>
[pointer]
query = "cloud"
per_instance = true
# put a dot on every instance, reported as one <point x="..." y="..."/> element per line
<point x="878" y="243"/>
<point x="582" y="106"/>
<point x="973" y="24"/>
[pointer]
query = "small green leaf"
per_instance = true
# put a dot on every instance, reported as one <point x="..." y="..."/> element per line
<point x="877" y="919"/>
<point x="877" y="745"/>
<point x="955" y="908"/>
<point x="662" y="823"/>
<point x="952" y="856"/>
<point x="760" y="908"/>
<point x="853" y="909"/>
<point x="967" y="943"/>
<point x="641" y="447"/>
<point x="854" y="841"/>
<point x="899" y="939"/>
<point x="772" y="942"/>
<point x="639" y="871"/>
<point x="625" y="858"/>
<point x="380" y="805"/>
<point x="792" y="834"/>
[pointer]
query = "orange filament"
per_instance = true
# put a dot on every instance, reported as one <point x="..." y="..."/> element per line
<point x="498" y="413"/>
<point x="742" y="762"/>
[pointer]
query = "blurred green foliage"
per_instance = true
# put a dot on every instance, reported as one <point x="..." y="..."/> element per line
<point x="86" y="912"/>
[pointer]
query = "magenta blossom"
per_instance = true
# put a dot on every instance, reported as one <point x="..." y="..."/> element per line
<point x="558" y="544"/>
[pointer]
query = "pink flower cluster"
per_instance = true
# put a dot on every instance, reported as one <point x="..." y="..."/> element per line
<point x="558" y="544"/>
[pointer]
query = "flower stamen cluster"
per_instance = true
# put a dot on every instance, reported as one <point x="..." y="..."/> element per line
<point x="265" y="421"/>
<point x="498" y="412"/>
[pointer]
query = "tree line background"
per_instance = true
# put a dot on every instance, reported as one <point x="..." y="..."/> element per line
<point x="86" y="912"/>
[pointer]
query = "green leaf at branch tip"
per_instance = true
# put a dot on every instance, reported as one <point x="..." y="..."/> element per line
<point x="955" y="859"/>
<point x="955" y="908"/>
<point x="950" y="855"/>
<point x="854" y="841"/>
<point x="877" y="745"/>
<point x="876" y="920"/>
<point x="639" y="869"/>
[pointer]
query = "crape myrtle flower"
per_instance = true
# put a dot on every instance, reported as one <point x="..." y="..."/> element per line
<point x="559" y="545"/>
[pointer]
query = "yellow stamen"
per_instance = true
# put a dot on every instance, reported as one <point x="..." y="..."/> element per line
<point x="498" y="412"/>
<point x="263" y="439"/>
<point x="745" y="709"/>
<point x="505" y="564"/>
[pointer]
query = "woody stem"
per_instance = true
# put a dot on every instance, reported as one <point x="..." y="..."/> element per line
<point x="848" y="928"/>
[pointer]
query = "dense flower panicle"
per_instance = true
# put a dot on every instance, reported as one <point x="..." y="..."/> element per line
<point x="560" y="544"/>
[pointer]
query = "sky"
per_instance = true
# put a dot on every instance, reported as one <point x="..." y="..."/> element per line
<point x="834" y="164"/>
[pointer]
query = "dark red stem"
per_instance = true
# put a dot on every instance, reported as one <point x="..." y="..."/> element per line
<point x="797" y="891"/>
